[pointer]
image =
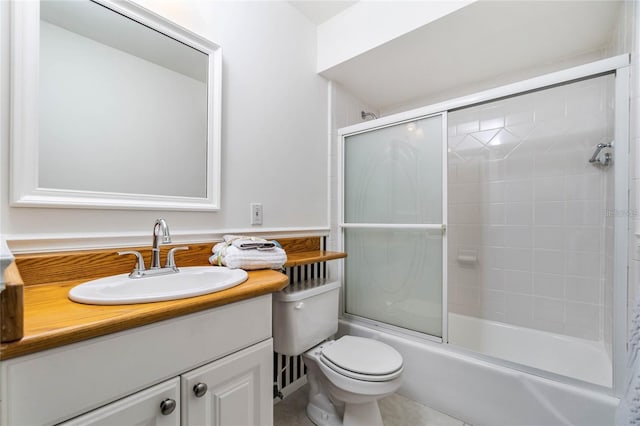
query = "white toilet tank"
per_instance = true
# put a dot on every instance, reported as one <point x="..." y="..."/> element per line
<point x="304" y="314"/>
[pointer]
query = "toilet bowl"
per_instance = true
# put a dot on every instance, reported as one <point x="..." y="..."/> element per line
<point x="352" y="373"/>
<point x="346" y="376"/>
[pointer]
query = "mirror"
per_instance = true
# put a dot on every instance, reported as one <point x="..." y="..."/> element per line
<point x="127" y="107"/>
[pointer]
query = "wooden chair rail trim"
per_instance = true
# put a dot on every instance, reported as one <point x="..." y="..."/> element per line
<point x="85" y="265"/>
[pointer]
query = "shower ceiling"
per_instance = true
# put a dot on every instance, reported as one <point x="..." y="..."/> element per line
<point x="496" y="41"/>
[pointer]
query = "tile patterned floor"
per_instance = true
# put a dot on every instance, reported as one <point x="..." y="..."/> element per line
<point x="396" y="411"/>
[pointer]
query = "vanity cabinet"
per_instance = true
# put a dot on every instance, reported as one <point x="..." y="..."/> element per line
<point x="156" y="406"/>
<point x="122" y="378"/>
<point x="230" y="391"/>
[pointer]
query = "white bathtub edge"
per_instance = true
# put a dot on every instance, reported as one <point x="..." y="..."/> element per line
<point x="482" y="393"/>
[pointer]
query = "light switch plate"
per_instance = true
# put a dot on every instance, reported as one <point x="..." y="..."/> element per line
<point x="256" y="213"/>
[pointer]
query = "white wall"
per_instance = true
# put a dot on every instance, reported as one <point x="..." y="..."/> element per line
<point x="274" y="130"/>
<point x="369" y="24"/>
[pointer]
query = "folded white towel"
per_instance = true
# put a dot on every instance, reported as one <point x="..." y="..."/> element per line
<point x="227" y="254"/>
<point x="245" y="243"/>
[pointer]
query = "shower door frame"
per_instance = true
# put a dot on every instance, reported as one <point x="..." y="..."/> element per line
<point x="342" y="135"/>
<point x="617" y="65"/>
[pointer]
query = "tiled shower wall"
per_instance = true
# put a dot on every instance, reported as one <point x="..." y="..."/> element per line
<point x="528" y="213"/>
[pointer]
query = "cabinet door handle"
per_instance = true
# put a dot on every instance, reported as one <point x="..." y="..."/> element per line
<point x="200" y="389"/>
<point x="167" y="406"/>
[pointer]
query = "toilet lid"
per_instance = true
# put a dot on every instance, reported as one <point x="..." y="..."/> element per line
<point x="363" y="357"/>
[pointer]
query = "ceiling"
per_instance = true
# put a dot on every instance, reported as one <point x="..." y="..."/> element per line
<point x="320" y="11"/>
<point x="485" y="41"/>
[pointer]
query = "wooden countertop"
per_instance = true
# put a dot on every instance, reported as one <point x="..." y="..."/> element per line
<point x="312" y="256"/>
<point x="52" y="320"/>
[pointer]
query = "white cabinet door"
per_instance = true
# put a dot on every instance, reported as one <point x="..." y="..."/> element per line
<point x="142" y="408"/>
<point x="238" y="390"/>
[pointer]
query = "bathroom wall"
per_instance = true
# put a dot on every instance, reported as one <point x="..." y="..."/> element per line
<point x="274" y="130"/>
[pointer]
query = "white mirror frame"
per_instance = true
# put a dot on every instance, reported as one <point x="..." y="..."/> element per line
<point x="25" y="192"/>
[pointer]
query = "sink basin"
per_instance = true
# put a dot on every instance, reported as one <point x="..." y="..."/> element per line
<point x="189" y="282"/>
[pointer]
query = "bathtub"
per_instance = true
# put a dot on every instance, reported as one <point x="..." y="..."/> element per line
<point x="481" y="392"/>
<point x="588" y="360"/>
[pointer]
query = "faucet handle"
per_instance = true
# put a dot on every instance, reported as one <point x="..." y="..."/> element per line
<point x="171" y="263"/>
<point x="139" y="268"/>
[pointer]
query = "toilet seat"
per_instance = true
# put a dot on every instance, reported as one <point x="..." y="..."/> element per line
<point x="362" y="359"/>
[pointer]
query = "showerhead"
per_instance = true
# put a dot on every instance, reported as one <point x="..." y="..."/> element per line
<point x="368" y="115"/>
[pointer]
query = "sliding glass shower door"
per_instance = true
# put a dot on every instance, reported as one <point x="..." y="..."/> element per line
<point x="531" y="228"/>
<point x="393" y="223"/>
<point x="533" y="178"/>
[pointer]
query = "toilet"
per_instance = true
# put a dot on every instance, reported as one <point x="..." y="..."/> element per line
<point x="346" y="376"/>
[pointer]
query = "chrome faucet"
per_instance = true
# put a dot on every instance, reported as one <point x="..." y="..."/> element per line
<point x="159" y="227"/>
<point x="161" y="235"/>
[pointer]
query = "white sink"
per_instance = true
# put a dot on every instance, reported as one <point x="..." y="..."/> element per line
<point x="189" y="282"/>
